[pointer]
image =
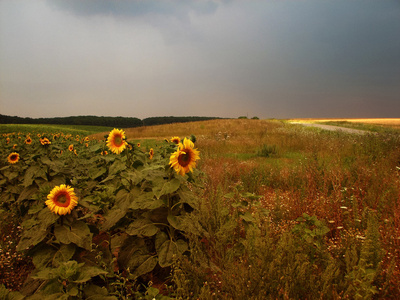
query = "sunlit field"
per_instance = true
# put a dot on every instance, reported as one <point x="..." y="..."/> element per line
<point x="270" y="210"/>
<point x="385" y="125"/>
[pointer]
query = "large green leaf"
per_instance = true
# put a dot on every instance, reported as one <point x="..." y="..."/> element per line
<point x="131" y="178"/>
<point x="147" y="263"/>
<point x="42" y="256"/>
<point x="87" y="272"/>
<point x="61" y="234"/>
<point x="116" y="167"/>
<point x="112" y="217"/>
<point x="33" y="172"/>
<point x="27" y="193"/>
<point x="64" y="254"/>
<point x="47" y="218"/>
<point x="168" y="250"/>
<point x="31" y="237"/>
<point x="187" y="196"/>
<point x="141" y="228"/>
<point x="96" y="172"/>
<point x="176" y="222"/>
<point x="78" y="233"/>
<point x="132" y="252"/>
<point x="167" y="188"/>
<point x="146" y="200"/>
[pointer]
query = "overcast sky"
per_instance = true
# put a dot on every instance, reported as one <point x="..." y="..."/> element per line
<point x="270" y="58"/>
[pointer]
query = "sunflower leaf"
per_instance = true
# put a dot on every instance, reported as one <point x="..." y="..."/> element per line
<point x="80" y="235"/>
<point x="142" y="227"/>
<point x="64" y="254"/>
<point x="147" y="264"/>
<point x="87" y="272"/>
<point x="112" y="217"/>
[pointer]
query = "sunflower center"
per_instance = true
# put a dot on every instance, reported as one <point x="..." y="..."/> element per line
<point x="62" y="199"/>
<point x="14" y="157"/>
<point x="184" y="158"/>
<point x="118" y="141"/>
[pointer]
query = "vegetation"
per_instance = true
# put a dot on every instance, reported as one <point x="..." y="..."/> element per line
<point x="124" y="122"/>
<point x="40" y="128"/>
<point x="273" y="211"/>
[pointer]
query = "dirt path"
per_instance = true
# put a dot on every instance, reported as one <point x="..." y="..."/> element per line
<point x="333" y="128"/>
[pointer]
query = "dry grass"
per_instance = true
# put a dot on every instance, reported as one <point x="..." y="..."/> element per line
<point x="391" y="122"/>
<point x="225" y="128"/>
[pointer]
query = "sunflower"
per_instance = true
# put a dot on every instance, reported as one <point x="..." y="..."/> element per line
<point x="176" y="140"/>
<point x="28" y="140"/>
<point x="116" y="141"/>
<point x="62" y="199"/>
<point x="13" y="158"/>
<point x="45" y="141"/>
<point x="151" y="153"/>
<point x="71" y="147"/>
<point x="184" y="159"/>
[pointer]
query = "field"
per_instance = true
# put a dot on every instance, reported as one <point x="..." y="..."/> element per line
<point x="271" y="210"/>
<point x="383" y="125"/>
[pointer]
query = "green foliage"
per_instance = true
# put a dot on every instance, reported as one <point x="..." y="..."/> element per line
<point x="129" y="217"/>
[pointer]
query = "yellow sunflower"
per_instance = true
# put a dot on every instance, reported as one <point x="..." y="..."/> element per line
<point x="116" y="141"/>
<point x="13" y="158"/>
<point x="62" y="199"/>
<point x="184" y="159"/>
<point x="45" y="141"/>
<point x="71" y="147"/>
<point x="28" y="140"/>
<point x="176" y="140"/>
<point x="151" y="153"/>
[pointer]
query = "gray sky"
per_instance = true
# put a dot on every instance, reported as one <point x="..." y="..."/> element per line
<point x="270" y="58"/>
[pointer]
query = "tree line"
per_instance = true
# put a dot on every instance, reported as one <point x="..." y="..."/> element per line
<point x="122" y="122"/>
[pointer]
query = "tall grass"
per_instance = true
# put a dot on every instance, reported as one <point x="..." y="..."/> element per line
<point x="350" y="183"/>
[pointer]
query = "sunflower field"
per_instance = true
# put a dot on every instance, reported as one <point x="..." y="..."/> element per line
<point x="94" y="217"/>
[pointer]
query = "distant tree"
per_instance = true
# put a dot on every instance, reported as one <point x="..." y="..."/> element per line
<point x="255" y="118"/>
<point x="242" y="117"/>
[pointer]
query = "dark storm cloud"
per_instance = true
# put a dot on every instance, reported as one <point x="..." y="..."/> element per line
<point x="178" y="9"/>
<point x="276" y="58"/>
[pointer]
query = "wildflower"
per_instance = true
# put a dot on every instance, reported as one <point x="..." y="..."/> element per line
<point x="62" y="199"/>
<point x="184" y="159"/>
<point x="13" y="158"/>
<point x="175" y="140"/>
<point x="116" y="141"/>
